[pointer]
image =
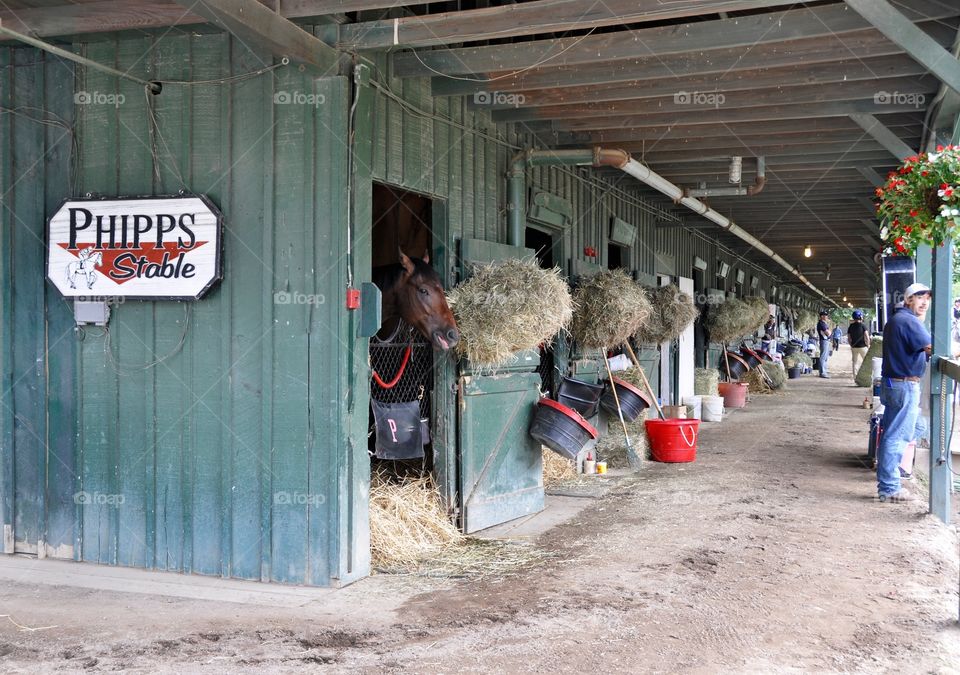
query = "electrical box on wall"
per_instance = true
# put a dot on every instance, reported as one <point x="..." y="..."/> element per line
<point x="91" y="312"/>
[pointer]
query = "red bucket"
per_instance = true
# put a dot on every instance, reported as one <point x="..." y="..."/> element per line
<point x="734" y="394"/>
<point x="673" y="440"/>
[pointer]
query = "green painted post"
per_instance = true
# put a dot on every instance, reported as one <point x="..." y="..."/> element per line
<point x="942" y="314"/>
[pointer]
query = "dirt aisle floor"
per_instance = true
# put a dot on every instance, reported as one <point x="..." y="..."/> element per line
<point x="769" y="553"/>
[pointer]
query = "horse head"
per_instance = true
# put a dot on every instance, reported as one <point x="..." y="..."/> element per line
<point x="422" y="303"/>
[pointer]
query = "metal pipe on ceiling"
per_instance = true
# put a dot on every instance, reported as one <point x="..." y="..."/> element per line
<point x="622" y="160"/>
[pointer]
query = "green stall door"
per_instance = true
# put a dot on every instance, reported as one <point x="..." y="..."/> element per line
<point x="501" y="471"/>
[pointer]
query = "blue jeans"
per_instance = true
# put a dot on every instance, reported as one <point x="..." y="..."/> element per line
<point x="901" y="412"/>
<point x="824" y="355"/>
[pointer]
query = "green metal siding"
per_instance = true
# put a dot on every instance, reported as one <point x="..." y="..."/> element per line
<point x="227" y="449"/>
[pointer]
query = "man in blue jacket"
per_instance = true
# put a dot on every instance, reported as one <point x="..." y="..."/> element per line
<point x="906" y="349"/>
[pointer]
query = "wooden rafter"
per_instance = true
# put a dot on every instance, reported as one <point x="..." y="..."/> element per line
<point x="808" y="51"/>
<point x="527" y="18"/>
<point x="743" y="33"/>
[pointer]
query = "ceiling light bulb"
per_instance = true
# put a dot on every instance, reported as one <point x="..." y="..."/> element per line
<point x="844" y="298"/>
<point x="807" y="252"/>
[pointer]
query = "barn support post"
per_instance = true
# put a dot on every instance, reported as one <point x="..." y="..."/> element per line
<point x="940" y="383"/>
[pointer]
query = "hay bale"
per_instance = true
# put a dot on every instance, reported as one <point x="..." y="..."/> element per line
<point x="805" y="320"/>
<point x="610" y="307"/>
<point x="509" y="306"/>
<point x="408" y="522"/>
<point x="761" y="312"/>
<point x="731" y="320"/>
<point x="864" y="376"/>
<point x="757" y="383"/>
<point x="776" y="374"/>
<point x="556" y="469"/>
<point x="706" y="381"/>
<point x="672" y="311"/>
<point x="612" y="446"/>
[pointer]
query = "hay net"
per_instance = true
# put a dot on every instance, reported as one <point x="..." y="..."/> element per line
<point x="610" y="307"/>
<point x="672" y="311"/>
<point x="509" y="306"/>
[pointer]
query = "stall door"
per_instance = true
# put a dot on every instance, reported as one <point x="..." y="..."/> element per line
<point x="501" y="470"/>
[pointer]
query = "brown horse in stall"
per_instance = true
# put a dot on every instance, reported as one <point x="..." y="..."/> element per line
<point x="412" y="292"/>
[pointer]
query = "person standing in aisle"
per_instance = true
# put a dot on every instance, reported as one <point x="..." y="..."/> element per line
<point x="859" y="338"/>
<point x="823" y="333"/>
<point x="906" y="347"/>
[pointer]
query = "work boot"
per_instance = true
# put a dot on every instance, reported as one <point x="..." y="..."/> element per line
<point x="899" y="496"/>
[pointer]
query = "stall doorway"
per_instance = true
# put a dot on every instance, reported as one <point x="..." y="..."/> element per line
<point x="543" y="245"/>
<point x="402" y="221"/>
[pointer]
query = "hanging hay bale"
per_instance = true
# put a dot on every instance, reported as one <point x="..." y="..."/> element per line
<point x="731" y="320"/>
<point x="509" y="306"/>
<point x="706" y="381"/>
<point x="761" y="312"/>
<point x="408" y="522"/>
<point x="864" y="377"/>
<point x="556" y="469"/>
<point x="805" y="320"/>
<point x="610" y="307"/>
<point x="672" y="311"/>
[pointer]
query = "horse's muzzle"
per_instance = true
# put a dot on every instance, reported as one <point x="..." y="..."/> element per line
<point x="446" y="340"/>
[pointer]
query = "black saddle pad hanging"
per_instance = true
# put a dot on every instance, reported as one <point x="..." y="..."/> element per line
<point x="399" y="430"/>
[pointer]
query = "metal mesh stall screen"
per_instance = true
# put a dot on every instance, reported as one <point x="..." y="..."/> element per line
<point x="546" y="369"/>
<point x="416" y="383"/>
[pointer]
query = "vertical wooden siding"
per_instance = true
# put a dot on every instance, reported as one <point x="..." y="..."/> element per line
<point x="220" y="423"/>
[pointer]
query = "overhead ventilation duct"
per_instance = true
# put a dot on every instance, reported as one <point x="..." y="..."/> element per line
<point x="517" y="193"/>
<point x="758" y="182"/>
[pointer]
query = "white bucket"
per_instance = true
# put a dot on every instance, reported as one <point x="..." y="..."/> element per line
<point x="695" y="402"/>
<point x="711" y="408"/>
<point x="877" y="364"/>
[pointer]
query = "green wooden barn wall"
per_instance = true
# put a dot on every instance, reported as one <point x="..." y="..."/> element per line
<point x="207" y="441"/>
<point x="228" y="452"/>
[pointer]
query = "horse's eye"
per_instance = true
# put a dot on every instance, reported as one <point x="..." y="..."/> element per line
<point x="424" y="291"/>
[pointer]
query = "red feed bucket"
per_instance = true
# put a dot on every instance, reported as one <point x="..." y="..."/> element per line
<point x="734" y="394"/>
<point x="673" y="440"/>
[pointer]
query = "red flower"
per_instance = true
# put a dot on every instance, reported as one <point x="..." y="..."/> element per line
<point x="913" y="213"/>
<point x="924" y="173"/>
<point x="879" y="192"/>
<point x="939" y="148"/>
<point x="908" y="229"/>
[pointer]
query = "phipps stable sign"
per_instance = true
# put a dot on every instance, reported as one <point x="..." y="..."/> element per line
<point x="143" y="248"/>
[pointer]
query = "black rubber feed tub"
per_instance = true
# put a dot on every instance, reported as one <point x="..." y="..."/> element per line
<point x="581" y="396"/>
<point x="632" y="400"/>
<point x="738" y="366"/>
<point x="794" y="373"/>
<point x="751" y="357"/>
<point x="560" y="428"/>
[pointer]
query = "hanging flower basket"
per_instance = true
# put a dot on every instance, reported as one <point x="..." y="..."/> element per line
<point x="921" y="201"/>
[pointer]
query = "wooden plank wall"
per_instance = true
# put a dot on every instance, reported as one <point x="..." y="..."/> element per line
<point x="207" y="434"/>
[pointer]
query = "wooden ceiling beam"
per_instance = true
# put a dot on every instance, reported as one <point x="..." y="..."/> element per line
<point x="901" y="124"/>
<point x="848" y="71"/>
<point x="527" y="18"/>
<point x="255" y="24"/>
<point x="914" y="91"/>
<point x="741" y="32"/>
<point x="808" y="51"/>
<point x="796" y="111"/>
<point x="103" y="16"/>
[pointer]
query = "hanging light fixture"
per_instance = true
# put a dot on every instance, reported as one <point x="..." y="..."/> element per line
<point x="807" y="252"/>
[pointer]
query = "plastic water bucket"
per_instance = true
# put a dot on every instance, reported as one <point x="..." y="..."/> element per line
<point x="678" y="412"/>
<point x="560" y="428"/>
<point x="673" y="440"/>
<point x="794" y="373"/>
<point x="711" y="408"/>
<point x="734" y="394"/>
<point x="695" y="402"/>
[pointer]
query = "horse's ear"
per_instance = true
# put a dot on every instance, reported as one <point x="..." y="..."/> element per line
<point x="405" y="262"/>
<point x="426" y="256"/>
